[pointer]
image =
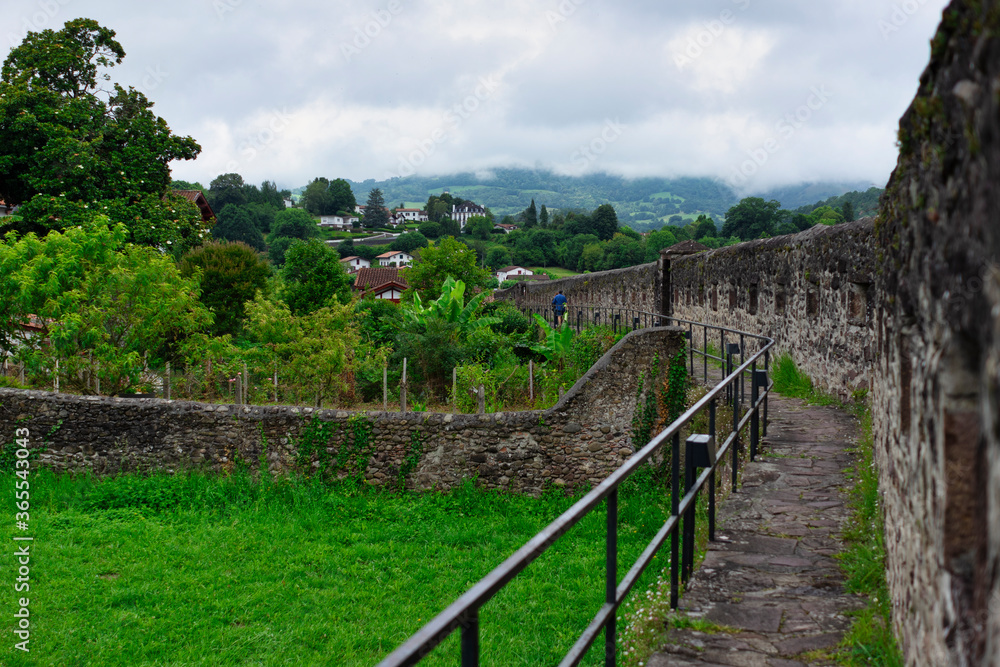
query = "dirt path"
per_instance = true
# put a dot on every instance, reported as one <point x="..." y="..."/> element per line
<point x="771" y="578"/>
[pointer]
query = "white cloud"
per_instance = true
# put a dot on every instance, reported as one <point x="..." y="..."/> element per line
<point x="268" y="86"/>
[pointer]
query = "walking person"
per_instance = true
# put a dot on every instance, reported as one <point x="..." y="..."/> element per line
<point x="559" y="307"/>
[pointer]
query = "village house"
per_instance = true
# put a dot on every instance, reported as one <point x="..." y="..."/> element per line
<point x="395" y="258"/>
<point x="337" y="222"/>
<point x="354" y="263"/>
<point x="508" y="272"/>
<point x="198" y="198"/>
<point x="380" y="283"/>
<point x="411" y="214"/>
<point x="461" y="214"/>
<point x="507" y="229"/>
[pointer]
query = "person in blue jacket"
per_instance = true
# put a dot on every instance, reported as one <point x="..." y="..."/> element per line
<point x="559" y="307"/>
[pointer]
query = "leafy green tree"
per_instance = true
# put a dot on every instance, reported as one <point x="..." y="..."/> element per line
<point x="448" y="258"/>
<point x="226" y="189"/>
<point x="702" y="227"/>
<point x="342" y="196"/>
<point x="101" y="303"/>
<point x="450" y="227"/>
<point x="530" y="216"/>
<point x="543" y="218"/>
<point x="230" y="274"/>
<point x="316" y="199"/>
<point x="622" y="251"/>
<point x="430" y="230"/>
<point x="70" y="149"/>
<point x="479" y="226"/>
<point x="409" y="242"/>
<point x="262" y="216"/>
<point x="592" y="257"/>
<point x="826" y="215"/>
<point x="235" y="223"/>
<point x="313" y="277"/>
<point x="376" y="214"/>
<point x="752" y="218"/>
<point x="847" y="210"/>
<point x="571" y="250"/>
<point x="604" y="222"/>
<point x="293" y="223"/>
<point x="271" y="196"/>
<point x="657" y="241"/>
<point x="497" y="257"/>
<point x="316" y="348"/>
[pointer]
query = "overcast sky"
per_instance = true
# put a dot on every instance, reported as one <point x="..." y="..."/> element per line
<point x="758" y="93"/>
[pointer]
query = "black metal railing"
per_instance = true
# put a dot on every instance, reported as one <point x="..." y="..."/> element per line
<point x="700" y="453"/>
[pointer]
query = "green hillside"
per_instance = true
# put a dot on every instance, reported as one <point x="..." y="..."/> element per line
<point x="642" y="203"/>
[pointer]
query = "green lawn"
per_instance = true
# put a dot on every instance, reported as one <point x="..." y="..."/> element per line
<point x="195" y="570"/>
<point x="557" y="270"/>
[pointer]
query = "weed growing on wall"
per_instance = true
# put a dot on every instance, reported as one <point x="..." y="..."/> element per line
<point x="413" y="454"/>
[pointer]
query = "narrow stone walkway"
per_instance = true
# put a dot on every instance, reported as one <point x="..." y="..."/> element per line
<point x="770" y="583"/>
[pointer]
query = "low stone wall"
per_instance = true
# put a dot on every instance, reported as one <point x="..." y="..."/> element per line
<point x="576" y="443"/>
<point x="812" y="292"/>
<point x="636" y="288"/>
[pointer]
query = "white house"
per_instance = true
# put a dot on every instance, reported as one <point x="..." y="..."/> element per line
<point x="288" y="203"/>
<point x="339" y="222"/>
<point x="461" y="214"/>
<point x="395" y="258"/>
<point x="353" y="263"/>
<point x="508" y="271"/>
<point x="412" y="214"/>
<point x="507" y="229"/>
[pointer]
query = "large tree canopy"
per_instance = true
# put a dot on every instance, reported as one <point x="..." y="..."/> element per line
<point x="69" y="149"/>
<point x="752" y="218"/>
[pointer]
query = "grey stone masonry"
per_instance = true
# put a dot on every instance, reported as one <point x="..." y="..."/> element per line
<point x="577" y="443"/>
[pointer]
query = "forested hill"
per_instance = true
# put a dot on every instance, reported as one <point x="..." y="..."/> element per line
<point x="642" y="203"/>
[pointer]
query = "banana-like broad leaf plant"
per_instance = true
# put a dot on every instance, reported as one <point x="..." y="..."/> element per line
<point x="557" y="344"/>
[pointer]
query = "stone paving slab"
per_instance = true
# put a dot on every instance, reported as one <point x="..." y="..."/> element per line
<point x="771" y="578"/>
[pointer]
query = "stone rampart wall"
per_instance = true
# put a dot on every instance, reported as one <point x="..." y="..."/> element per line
<point x="576" y="443"/>
<point x="812" y="292"/>
<point x="636" y="288"/>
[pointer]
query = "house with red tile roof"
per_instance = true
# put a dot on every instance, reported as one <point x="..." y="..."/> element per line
<point x="380" y="283"/>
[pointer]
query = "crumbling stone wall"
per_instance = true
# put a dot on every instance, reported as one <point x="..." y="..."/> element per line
<point x="636" y="288"/>
<point x="811" y="292"/>
<point x="578" y="442"/>
<point x="936" y="394"/>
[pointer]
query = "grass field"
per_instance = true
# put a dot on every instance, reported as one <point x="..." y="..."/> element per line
<point x="195" y="570"/>
<point x="558" y="271"/>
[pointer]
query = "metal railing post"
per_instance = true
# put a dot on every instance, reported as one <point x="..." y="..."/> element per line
<point x="611" y="579"/>
<point x="767" y="369"/>
<point x="674" y="504"/>
<point x="704" y="356"/>
<point x="743" y="355"/>
<point x="736" y="437"/>
<point x="691" y="346"/>
<point x="711" y="476"/>
<point x="470" y="639"/>
<point x="754" y="417"/>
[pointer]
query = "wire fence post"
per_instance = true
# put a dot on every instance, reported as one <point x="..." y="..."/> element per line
<point x="56" y="382"/>
<point x="402" y="389"/>
<point x="531" y="381"/>
<point x="166" y="383"/>
<point x="275" y="381"/>
<point x="246" y="385"/>
<point x="454" y="390"/>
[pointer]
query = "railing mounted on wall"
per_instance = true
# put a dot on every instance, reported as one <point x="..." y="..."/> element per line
<point x="701" y="452"/>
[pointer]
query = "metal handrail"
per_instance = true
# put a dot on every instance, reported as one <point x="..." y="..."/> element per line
<point x="464" y="612"/>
